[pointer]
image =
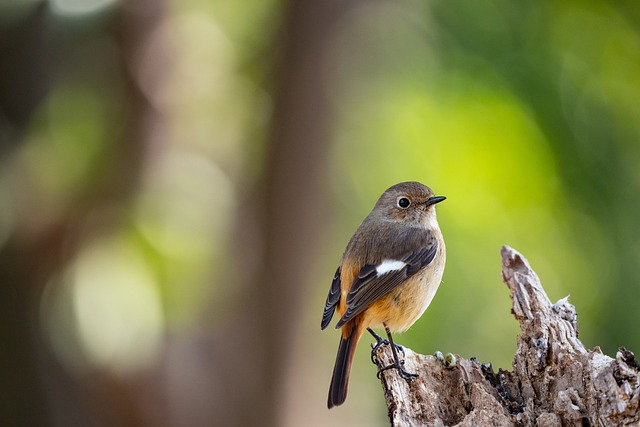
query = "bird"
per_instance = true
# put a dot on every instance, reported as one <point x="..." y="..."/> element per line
<point x="387" y="277"/>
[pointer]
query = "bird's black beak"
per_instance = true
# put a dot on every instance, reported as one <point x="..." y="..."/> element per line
<point x="434" y="200"/>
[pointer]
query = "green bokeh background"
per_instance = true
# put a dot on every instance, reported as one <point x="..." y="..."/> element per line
<point x="526" y="115"/>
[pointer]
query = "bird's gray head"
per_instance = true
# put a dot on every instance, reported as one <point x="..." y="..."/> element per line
<point x="408" y="202"/>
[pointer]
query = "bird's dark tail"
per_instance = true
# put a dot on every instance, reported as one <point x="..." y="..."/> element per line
<point x="342" y="368"/>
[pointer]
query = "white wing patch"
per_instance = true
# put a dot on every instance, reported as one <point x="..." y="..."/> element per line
<point x="389" y="265"/>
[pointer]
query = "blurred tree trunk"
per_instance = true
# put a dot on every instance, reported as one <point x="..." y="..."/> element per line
<point x="23" y="78"/>
<point x="555" y="380"/>
<point x="279" y="226"/>
<point x="34" y="389"/>
<point x="242" y="365"/>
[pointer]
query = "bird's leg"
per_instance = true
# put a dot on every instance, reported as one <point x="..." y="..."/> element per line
<point x="374" y="347"/>
<point x="379" y="342"/>
<point x="397" y="363"/>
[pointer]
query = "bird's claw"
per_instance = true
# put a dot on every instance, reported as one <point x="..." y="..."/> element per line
<point x="375" y="347"/>
<point x="380" y="343"/>
<point x="398" y="363"/>
<point x="407" y="376"/>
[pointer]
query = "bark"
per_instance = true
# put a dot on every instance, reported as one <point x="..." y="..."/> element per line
<point x="555" y="381"/>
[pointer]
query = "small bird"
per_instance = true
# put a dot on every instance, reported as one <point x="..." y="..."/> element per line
<point x="387" y="276"/>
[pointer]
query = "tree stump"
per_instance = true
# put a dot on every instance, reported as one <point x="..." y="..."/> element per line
<point x="555" y="381"/>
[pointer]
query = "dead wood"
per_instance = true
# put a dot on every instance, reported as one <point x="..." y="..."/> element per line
<point x="555" y="381"/>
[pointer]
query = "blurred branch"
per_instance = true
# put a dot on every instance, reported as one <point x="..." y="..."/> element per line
<point x="555" y="380"/>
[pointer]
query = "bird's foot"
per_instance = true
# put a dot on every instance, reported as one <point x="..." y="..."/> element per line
<point x="395" y="349"/>
<point x="374" y="350"/>
<point x="380" y="342"/>
<point x="407" y="376"/>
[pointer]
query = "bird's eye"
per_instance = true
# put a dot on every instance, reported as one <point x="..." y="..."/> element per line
<point x="403" y="202"/>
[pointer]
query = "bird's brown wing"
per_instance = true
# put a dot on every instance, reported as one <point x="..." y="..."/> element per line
<point x="332" y="300"/>
<point x="370" y="285"/>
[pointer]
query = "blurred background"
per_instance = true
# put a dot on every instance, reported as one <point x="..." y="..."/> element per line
<point x="178" y="180"/>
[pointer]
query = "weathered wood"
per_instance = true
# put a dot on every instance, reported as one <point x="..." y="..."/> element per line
<point x="555" y="381"/>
